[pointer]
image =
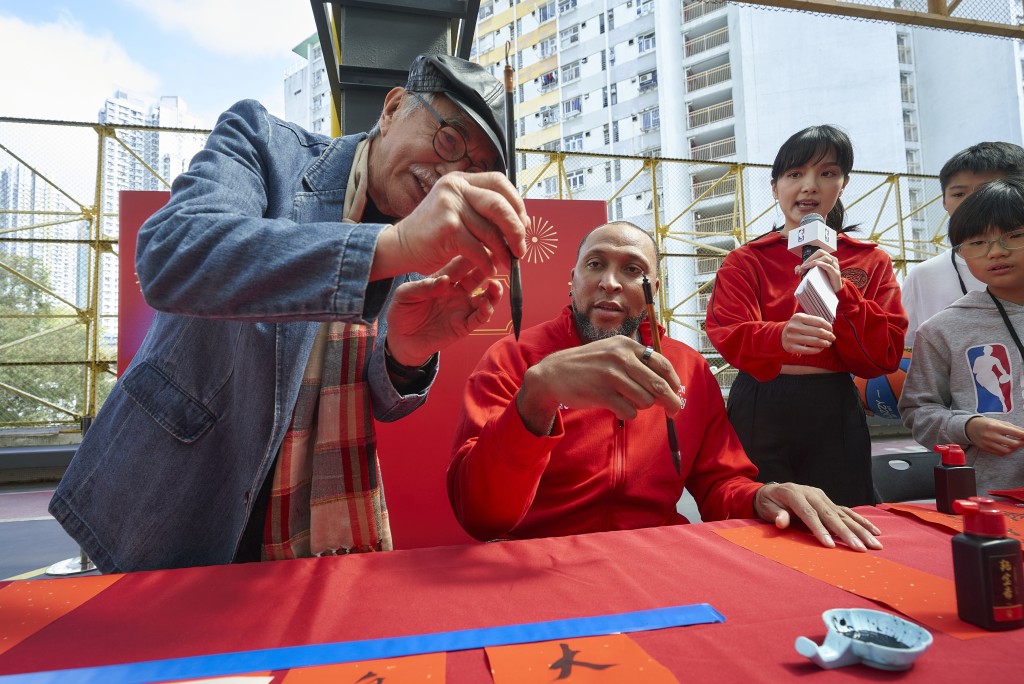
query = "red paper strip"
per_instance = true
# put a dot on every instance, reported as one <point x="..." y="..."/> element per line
<point x="1016" y="494"/>
<point x="406" y="670"/>
<point x="608" y="659"/>
<point x="955" y="523"/>
<point x="927" y="598"/>
<point x="30" y="605"/>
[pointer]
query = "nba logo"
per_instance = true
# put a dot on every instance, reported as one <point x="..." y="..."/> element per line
<point x="990" y="366"/>
<point x="800" y="235"/>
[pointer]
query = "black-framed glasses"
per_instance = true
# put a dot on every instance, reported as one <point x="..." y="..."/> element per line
<point x="449" y="142"/>
<point x="975" y="249"/>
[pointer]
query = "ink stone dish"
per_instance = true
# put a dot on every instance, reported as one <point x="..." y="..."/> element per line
<point x="859" y="635"/>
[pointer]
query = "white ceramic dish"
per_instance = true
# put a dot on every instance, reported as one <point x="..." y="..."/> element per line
<point x="859" y="635"/>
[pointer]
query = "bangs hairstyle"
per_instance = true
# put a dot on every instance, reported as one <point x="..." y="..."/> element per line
<point x="810" y="146"/>
<point x="998" y="204"/>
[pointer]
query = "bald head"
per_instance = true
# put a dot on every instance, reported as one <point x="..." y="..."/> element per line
<point x="617" y="228"/>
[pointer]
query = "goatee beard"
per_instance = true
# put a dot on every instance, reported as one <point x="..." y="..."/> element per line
<point x="591" y="333"/>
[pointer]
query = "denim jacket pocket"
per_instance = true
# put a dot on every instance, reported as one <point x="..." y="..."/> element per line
<point x="178" y="413"/>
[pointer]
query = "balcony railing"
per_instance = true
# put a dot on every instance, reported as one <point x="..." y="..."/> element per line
<point x="696" y="10"/>
<point x="710" y="115"/>
<point x="708" y="265"/>
<point x="710" y="77"/>
<point x="700" y="44"/>
<point x="724" y="187"/>
<point x="714" y="150"/>
<point x="713" y="224"/>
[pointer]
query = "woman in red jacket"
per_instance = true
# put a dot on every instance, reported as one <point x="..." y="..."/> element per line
<point x="794" y="404"/>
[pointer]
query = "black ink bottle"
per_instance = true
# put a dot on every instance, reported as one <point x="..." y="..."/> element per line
<point x="954" y="479"/>
<point x="987" y="568"/>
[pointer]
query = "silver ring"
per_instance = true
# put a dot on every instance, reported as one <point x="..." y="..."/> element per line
<point x="647" y="354"/>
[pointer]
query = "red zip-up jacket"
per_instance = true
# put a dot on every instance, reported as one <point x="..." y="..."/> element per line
<point x="753" y="300"/>
<point x="594" y="472"/>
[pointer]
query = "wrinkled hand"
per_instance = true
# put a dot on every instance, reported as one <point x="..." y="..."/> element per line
<point x="807" y="334"/>
<point x="827" y="263"/>
<point x="776" y="503"/>
<point x="429" y="314"/>
<point x="994" y="436"/>
<point x="477" y="215"/>
<point x="607" y="374"/>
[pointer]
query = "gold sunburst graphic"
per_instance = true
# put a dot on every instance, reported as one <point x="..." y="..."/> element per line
<point x="541" y="241"/>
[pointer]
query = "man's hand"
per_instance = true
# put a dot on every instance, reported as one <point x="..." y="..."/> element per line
<point x="807" y="334"/>
<point x="994" y="436"/>
<point x="775" y="503"/>
<point x="477" y="215"/>
<point x="608" y="373"/>
<point x="429" y="314"/>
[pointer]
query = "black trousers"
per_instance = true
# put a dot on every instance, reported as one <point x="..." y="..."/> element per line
<point x="809" y="429"/>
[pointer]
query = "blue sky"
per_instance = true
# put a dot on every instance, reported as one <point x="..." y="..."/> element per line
<point x="63" y="59"/>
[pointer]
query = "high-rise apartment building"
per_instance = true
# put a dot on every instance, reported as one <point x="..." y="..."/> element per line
<point x="722" y="82"/>
<point x="307" y="92"/>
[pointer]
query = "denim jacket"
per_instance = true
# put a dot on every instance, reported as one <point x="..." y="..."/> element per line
<point x="242" y="264"/>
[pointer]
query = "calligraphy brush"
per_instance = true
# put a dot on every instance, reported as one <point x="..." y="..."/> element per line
<point x="673" y="440"/>
<point x="515" y="279"/>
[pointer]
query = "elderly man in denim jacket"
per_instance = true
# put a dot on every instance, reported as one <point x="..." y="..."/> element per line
<point x="288" y="311"/>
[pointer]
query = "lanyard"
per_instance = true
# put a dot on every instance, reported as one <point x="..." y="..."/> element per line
<point x="1006" y="320"/>
<point x="963" y="288"/>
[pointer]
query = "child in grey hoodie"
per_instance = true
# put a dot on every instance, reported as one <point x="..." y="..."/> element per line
<point x="966" y="380"/>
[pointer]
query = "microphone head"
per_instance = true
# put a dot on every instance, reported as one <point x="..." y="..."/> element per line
<point x="810" y="218"/>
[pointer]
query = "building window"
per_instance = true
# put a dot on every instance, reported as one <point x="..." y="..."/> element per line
<point x="607" y="170"/>
<point x="548" y="115"/>
<point x="551" y="186"/>
<point x="553" y="146"/>
<point x="486" y="9"/>
<point x="548" y="80"/>
<point x="650" y="119"/>
<point x="575" y="180"/>
<point x="572" y="107"/>
<point x="548" y="47"/>
<point x="566" y="6"/>
<point x="903" y="49"/>
<point x="546" y="12"/>
<point x="569" y="36"/>
<point x="913" y="161"/>
<point x="648" y="80"/>
<point x="606" y="129"/>
<point x="600" y="18"/>
<point x="574" y="143"/>
<point x="646" y="42"/>
<point x="615" y="133"/>
<point x="571" y="71"/>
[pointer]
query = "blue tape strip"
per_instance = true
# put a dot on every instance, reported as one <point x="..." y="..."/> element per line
<point x="198" y="667"/>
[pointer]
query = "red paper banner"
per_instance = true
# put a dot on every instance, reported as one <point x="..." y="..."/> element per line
<point x="601" y="659"/>
<point x="924" y="597"/>
<point x="28" y="606"/>
<point x="952" y="522"/>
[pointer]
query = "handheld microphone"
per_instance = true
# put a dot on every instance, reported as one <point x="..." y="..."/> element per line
<point x="811" y="235"/>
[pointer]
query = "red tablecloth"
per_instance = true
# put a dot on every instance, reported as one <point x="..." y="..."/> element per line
<point x="168" y="614"/>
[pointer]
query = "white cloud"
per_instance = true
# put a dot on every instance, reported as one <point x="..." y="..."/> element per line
<point x="255" y="28"/>
<point x="59" y="71"/>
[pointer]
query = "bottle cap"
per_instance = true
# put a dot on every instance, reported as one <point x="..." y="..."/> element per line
<point x="952" y="454"/>
<point x="981" y="517"/>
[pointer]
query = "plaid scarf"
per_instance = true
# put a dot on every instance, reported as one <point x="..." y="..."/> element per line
<point x="326" y="496"/>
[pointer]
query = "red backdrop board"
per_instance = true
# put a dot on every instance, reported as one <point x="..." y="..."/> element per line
<point x="415" y="451"/>
<point x="133" y="314"/>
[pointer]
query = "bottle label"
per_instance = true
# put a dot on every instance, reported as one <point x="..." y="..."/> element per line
<point x="1006" y="588"/>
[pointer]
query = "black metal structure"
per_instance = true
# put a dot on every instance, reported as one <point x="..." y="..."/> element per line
<point x="368" y="46"/>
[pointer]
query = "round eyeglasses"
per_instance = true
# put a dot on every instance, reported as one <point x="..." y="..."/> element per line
<point x="449" y="141"/>
<point x="975" y="249"/>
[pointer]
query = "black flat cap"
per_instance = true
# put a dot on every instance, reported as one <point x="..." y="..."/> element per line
<point x="471" y="87"/>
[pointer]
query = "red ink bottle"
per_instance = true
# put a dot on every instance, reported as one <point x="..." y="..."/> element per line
<point x="954" y="479"/>
<point x="987" y="568"/>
